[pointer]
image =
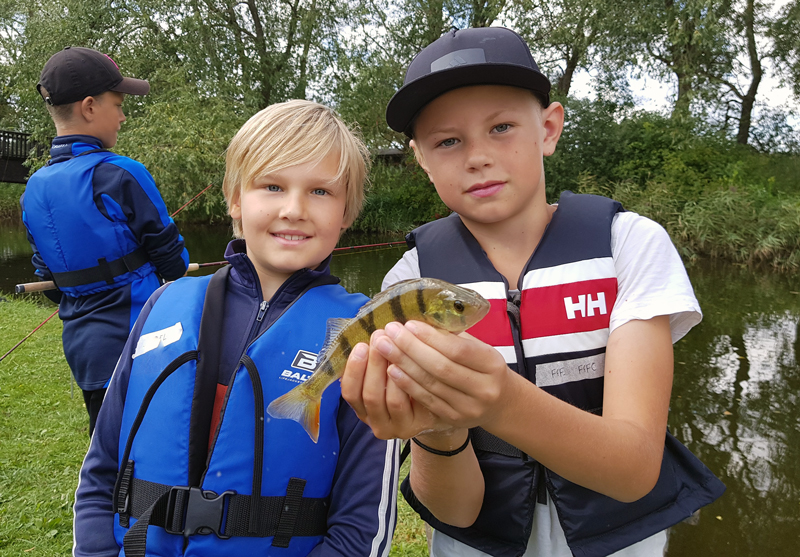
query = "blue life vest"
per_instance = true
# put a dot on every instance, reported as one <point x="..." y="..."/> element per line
<point x="86" y="250"/>
<point x="554" y="333"/>
<point x="172" y="483"/>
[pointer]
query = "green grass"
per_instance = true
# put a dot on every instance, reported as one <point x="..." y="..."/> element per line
<point x="43" y="435"/>
<point x="43" y="438"/>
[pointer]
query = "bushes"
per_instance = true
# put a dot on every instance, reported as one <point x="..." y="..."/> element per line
<point x="9" y="200"/>
<point x="399" y="198"/>
<point x="744" y="224"/>
<point x="714" y="197"/>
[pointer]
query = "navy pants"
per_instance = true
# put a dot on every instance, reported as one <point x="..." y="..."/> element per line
<point x="93" y="400"/>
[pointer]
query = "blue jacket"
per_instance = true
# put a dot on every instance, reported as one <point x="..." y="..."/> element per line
<point x="93" y="209"/>
<point x="361" y="515"/>
<point x="554" y="333"/>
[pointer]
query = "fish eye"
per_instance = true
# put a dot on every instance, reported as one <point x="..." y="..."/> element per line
<point x="459" y="305"/>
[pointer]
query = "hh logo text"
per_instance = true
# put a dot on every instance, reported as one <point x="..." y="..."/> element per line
<point x="585" y="305"/>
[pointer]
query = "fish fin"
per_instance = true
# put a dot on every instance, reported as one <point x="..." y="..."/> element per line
<point x="335" y="326"/>
<point x="384" y="295"/>
<point x="301" y="406"/>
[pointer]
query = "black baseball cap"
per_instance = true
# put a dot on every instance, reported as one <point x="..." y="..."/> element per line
<point x="462" y="57"/>
<point x="75" y="73"/>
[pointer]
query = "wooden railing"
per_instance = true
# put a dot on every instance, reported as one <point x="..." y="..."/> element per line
<point x="14" y="150"/>
<point x="15" y="145"/>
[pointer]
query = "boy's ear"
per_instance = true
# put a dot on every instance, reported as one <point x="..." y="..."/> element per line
<point x="87" y="108"/>
<point x="235" y="210"/>
<point x="553" y="123"/>
<point x="420" y="158"/>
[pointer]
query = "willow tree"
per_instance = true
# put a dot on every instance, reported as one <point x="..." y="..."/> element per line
<point x="687" y="42"/>
<point x="785" y="32"/>
<point x="569" y="35"/>
<point x="382" y="38"/>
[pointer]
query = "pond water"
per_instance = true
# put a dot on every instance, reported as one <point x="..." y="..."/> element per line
<point x="735" y="402"/>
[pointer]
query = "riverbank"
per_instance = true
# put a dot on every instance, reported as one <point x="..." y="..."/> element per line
<point x="736" y="221"/>
<point x="44" y="437"/>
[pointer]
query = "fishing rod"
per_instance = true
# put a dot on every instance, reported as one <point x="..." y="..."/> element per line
<point x="32" y="287"/>
<point x="45" y="285"/>
<point x="387" y="244"/>
<point x="50" y="285"/>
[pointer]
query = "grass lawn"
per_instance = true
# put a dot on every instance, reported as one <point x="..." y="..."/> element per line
<point x="44" y="436"/>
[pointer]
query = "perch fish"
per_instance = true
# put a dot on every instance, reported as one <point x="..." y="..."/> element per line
<point x="432" y="301"/>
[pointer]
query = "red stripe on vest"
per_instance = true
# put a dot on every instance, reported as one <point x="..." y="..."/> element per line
<point x="568" y="308"/>
<point x="494" y="329"/>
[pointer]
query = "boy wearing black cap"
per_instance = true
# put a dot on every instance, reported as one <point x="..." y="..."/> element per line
<point x="95" y="220"/>
<point x="542" y="431"/>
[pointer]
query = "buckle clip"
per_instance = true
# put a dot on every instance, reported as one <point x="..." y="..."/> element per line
<point x="203" y="511"/>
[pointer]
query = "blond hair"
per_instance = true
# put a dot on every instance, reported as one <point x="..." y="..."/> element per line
<point x="291" y="133"/>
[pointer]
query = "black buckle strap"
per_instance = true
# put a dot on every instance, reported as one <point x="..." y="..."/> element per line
<point x="202" y="511"/>
<point x="291" y="510"/>
<point x="123" y="501"/>
<point x="105" y="271"/>
<point x="173" y="509"/>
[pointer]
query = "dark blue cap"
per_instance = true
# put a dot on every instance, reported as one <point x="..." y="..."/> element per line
<point x="478" y="56"/>
<point x="75" y="73"/>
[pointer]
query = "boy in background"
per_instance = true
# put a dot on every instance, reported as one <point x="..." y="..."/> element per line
<point x="95" y="220"/>
<point x="183" y="443"/>
<point x="542" y="432"/>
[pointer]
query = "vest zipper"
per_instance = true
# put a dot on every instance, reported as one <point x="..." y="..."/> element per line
<point x="262" y="309"/>
<point x="512" y="308"/>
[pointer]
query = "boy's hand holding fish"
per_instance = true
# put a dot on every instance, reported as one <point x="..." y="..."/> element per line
<point x="433" y="381"/>
<point x="366" y="385"/>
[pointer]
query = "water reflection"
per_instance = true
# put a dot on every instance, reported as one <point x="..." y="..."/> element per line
<point x="735" y="404"/>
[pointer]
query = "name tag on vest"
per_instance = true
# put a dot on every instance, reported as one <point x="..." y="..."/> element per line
<point x="558" y="373"/>
<point x="153" y="340"/>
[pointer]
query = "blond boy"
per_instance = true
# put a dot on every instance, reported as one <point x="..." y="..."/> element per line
<point x="209" y="353"/>
<point x="542" y="432"/>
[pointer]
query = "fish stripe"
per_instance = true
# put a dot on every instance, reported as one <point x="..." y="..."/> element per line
<point x="397" y="308"/>
<point x="368" y="322"/>
<point x="421" y="300"/>
<point x="344" y="344"/>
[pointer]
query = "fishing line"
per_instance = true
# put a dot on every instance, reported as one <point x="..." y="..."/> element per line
<point x="182" y="207"/>
<point x="28" y="335"/>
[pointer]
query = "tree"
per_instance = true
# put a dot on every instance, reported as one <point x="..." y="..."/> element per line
<point x="784" y="31"/>
<point x="749" y="30"/>
<point x="686" y="40"/>
<point x="381" y="40"/>
<point x="575" y="34"/>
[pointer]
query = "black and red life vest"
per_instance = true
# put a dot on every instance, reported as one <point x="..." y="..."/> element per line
<point x="553" y="330"/>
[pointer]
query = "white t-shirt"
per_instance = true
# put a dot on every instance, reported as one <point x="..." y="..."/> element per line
<point x="651" y="281"/>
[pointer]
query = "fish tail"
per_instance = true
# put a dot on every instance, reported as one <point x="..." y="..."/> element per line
<point x="300" y="405"/>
